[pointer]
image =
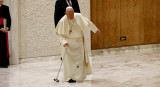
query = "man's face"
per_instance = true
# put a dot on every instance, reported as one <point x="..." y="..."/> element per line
<point x="70" y="14"/>
<point x="1" y="2"/>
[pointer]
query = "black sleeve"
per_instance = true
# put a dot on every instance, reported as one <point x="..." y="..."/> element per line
<point x="57" y="13"/>
<point x="8" y="17"/>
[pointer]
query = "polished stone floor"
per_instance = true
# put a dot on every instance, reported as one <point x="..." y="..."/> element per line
<point x="120" y="70"/>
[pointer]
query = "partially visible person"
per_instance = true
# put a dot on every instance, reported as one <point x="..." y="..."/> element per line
<point x="70" y="30"/>
<point x="61" y="6"/>
<point x="4" y="49"/>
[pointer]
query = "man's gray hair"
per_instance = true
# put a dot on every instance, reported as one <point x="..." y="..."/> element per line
<point x="69" y="7"/>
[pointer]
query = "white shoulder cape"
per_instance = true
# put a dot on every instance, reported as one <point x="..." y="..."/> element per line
<point x="63" y="26"/>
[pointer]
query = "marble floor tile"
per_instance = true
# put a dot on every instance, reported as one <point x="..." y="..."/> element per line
<point x="123" y="70"/>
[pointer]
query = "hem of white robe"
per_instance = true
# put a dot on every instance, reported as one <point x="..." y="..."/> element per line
<point x="78" y="80"/>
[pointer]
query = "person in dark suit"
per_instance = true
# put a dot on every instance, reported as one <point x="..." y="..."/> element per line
<point x="60" y="8"/>
<point x="4" y="49"/>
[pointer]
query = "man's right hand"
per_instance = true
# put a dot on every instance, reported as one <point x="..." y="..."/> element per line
<point x="4" y="30"/>
<point x="66" y="44"/>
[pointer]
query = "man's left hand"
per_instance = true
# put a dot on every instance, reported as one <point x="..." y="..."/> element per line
<point x="98" y="32"/>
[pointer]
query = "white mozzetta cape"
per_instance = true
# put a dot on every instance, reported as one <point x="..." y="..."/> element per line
<point x="63" y="26"/>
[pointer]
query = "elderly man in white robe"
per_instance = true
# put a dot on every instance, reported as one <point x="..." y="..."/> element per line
<point x="70" y="29"/>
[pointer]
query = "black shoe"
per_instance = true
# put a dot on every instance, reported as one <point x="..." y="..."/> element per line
<point x="4" y="66"/>
<point x="71" y="81"/>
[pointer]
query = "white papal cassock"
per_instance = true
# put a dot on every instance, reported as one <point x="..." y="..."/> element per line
<point x="76" y="62"/>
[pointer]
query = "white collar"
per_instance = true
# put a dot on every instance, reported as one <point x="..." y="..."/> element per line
<point x="69" y="2"/>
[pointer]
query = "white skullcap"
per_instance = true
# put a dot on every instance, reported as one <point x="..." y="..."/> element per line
<point x="69" y="7"/>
